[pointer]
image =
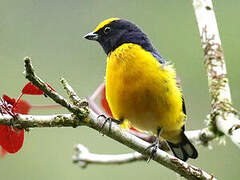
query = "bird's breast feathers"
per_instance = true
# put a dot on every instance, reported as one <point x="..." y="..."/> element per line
<point x="141" y="89"/>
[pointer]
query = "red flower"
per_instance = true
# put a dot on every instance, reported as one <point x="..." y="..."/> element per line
<point x="31" y="89"/>
<point x="11" y="139"/>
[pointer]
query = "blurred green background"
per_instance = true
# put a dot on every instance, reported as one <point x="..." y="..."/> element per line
<point x="51" y="33"/>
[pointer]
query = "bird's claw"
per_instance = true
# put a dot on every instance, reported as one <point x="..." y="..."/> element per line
<point x="153" y="149"/>
<point x="107" y="119"/>
<point x="110" y="120"/>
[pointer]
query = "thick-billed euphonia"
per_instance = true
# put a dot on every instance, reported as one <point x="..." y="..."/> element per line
<point x="141" y="87"/>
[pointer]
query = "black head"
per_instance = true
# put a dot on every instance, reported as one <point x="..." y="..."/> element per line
<point x="114" y="32"/>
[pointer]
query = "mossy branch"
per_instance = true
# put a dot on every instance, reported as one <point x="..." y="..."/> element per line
<point x="223" y="119"/>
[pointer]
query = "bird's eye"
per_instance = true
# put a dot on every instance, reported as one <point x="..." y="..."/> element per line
<point x="107" y="30"/>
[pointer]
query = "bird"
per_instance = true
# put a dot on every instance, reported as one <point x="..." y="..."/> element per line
<point x="141" y="86"/>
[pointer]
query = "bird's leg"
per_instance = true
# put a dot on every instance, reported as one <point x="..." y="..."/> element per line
<point x="109" y="120"/>
<point x="154" y="146"/>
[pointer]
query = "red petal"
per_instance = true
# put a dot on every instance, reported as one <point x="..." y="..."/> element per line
<point x="3" y="152"/>
<point x="31" y="89"/>
<point x="11" y="139"/>
<point x="104" y="103"/>
<point x="22" y="107"/>
<point x="9" y="100"/>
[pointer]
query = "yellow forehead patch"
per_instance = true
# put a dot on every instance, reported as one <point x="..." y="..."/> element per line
<point x="105" y="22"/>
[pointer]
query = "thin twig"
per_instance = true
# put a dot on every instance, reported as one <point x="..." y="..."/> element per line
<point x="30" y="75"/>
<point x="83" y="157"/>
<point x="73" y="95"/>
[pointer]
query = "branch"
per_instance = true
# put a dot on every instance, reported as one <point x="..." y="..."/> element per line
<point x="84" y="116"/>
<point x="39" y="121"/>
<point x="30" y="75"/>
<point x="84" y="157"/>
<point x="223" y="118"/>
<point x="201" y="137"/>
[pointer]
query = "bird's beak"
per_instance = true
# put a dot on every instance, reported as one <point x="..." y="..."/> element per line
<point x="92" y="36"/>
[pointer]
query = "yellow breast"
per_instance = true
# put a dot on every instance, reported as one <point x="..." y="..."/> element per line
<point x="143" y="91"/>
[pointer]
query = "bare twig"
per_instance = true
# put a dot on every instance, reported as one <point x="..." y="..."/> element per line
<point x="223" y="118"/>
<point x="30" y="75"/>
<point x="83" y="157"/>
<point x="72" y="95"/>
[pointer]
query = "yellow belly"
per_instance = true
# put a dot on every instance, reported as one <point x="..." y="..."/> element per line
<point x="143" y="91"/>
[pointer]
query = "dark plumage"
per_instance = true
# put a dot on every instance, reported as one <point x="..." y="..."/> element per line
<point x="122" y="31"/>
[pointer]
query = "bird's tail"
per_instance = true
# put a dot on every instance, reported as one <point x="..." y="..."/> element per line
<point x="184" y="149"/>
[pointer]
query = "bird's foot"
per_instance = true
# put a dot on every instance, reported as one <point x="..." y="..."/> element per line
<point x="153" y="149"/>
<point x="154" y="146"/>
<point x="109" y="120"/>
